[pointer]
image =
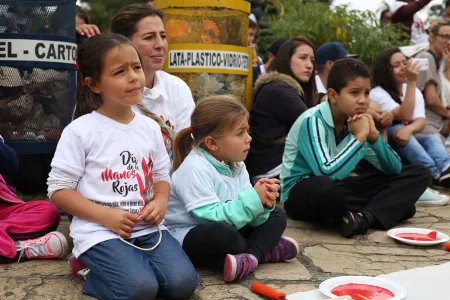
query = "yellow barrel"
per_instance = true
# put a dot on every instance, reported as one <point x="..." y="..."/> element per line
<point x="208" y="46"/>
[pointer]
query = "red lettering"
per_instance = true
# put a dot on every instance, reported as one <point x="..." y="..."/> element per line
<point x="108" y="175"/>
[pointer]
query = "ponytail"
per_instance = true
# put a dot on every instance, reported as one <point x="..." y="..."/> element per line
<point x="86" y="101"/>
<point x="182" y="145"/>
<point x="214" y="116"/>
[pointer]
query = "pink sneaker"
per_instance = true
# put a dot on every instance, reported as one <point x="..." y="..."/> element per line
<point x="79" y="269"/>
<point x="238" y="266"/>
<point x="51" y="245"/>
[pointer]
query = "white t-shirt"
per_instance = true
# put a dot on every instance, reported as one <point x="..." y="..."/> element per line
<point x="319" y="85"/>
<point x="113" y="165"/>
<point x="171" y="99"/>
<point x="380" y="96"/>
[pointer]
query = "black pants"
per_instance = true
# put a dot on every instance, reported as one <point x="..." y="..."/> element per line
<point x="389" y="199"/>
<point x="207" y="244"/>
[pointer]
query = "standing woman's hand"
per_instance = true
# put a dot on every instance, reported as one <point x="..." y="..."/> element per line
<point x="88" y="30"/>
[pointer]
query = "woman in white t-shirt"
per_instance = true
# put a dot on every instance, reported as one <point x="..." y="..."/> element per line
<point x="395" y="91"/>
<point x="167" y="99"/>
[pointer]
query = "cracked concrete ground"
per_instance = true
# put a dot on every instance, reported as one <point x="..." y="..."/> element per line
<point x="323" y="254"/>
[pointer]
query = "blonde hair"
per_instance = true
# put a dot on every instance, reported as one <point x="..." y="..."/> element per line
<point x="434" y="29"/>
<point x="214" y="116"/>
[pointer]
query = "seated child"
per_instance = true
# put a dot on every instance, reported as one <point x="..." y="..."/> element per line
<point x="26" y="228"/>
<point x="327" y="142"/>
<point x="214" y="212"/>
<point x="111" y="172"/>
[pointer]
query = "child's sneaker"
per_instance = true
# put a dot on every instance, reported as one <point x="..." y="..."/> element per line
<point x="79" y="269"/>
<point x="238" y="266"/>
<point x="353" y="223"/>
<point x="286" y="249"/>
<point x="432" y="198"/>
<point x="51" y="245"/>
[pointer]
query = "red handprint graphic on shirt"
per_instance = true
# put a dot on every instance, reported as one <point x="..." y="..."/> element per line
<point x="146" y="185"/>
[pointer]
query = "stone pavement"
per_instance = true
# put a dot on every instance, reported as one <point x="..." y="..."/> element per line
<point x="323" y="254"/>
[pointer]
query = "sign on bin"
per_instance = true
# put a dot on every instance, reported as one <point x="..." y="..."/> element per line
<point x="37" y="50"/>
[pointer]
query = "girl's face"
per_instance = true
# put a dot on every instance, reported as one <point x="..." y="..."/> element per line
<point x="151" y="43"/>
<point x="122" y="80"/>
<point x="399" y="64"/>
<point x="234" y="146"/>
<point x="302" y="63"/>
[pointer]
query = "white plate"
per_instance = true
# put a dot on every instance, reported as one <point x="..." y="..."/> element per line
<point x="441" y="237"/>
<point x="328" y="285"/>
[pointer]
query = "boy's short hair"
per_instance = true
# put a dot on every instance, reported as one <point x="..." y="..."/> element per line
<point x="252" y="24"/>
<point x="345" y="70"/>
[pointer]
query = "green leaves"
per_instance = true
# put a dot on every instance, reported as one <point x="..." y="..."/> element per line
<point x="101" y="12"/>
<point x="358" y="31"/>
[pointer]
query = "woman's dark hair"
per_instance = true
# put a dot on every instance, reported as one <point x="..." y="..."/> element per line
<point x="282" y="64"/>
<point x="125" y="19"/>
<point x="90" y="58"/>
<point x="82" y="14"/>
<point x="383" y="73"/>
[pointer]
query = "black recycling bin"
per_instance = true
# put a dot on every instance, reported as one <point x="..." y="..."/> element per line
<point x="37" y="72"/>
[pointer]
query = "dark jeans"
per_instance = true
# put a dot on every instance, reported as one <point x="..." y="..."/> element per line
<point x="207" y="244"/>
<point x="119" y="271"/>
<point x="389" y="199"/>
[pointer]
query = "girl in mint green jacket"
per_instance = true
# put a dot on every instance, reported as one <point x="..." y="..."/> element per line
<point x="214" y="212"/>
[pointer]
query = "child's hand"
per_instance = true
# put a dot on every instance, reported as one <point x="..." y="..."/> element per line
<point x="120" y="221"/>
<point x="359" y="127"/>
<point x="271" y="188"/>
<point x="154" y="212"/>
<point x="373" y="131"/>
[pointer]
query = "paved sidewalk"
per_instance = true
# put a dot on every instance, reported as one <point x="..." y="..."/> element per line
<point x="323" y="254"/>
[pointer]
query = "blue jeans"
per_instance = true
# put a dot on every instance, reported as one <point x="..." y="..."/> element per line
<point x="119" y="271"/>
<point x="425" y="149"/>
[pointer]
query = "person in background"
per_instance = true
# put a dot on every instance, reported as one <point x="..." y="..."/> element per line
<point x="253" y="29"/>
<point x="447" y="9"/>
<point x="429" y="82"/>
<point x="385" y="17"/>
<point x="280" y="97"/>
<point x="81" y="17"/>
<point x="395" y="91"/>
<point x="26" y="228"/>
<point x="405" y="12"/>
<point x="326" y="55"/>
<point x="151" y="3"/>
<point x="272" y="53"/>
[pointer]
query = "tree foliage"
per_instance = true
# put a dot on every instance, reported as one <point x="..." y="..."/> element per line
<point x="101" y="11"/>
<point x="359" y="31"/>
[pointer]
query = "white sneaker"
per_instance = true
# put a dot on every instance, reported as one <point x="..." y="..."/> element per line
<point x="51" y="245"/>
<point x="432" y="198"/>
